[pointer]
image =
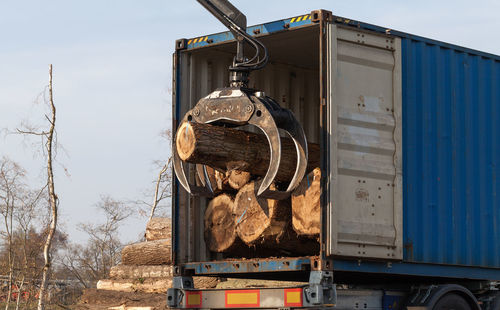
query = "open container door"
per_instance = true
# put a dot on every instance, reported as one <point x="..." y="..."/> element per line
<point x="365" y="136"/>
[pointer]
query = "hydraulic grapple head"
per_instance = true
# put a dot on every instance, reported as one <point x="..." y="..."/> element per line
<point x="238" y="106"/>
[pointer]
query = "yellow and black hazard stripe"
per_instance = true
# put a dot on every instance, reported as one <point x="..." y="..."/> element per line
<point x="198" y="40"/>
<point x="300" y="18"/>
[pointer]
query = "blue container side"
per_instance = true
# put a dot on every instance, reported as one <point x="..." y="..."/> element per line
<point x="450" y="151"/>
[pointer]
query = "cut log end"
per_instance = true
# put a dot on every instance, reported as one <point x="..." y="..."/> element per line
<point x="306" y="205"/>
<point x="253" y="215"/>
<point x="237" y="179"/>
<point x="220" y="232"/>
<point x="185" y="141"/>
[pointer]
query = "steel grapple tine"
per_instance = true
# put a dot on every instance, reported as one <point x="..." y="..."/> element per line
<point x="265" y="122"/>
<point x="201" y="170"/>
<point x="205" y="190"/>
<point x="296" y="132"/>
<point x="179" y="171"/>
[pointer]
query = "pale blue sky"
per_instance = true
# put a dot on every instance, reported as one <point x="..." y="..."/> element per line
<point x="112" y="77"/>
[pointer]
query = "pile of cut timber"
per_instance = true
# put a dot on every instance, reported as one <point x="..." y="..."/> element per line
<point x="236" y="220"/>
<point x="146" y="268"/>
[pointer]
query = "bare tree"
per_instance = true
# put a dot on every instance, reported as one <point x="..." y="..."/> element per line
<point x="49" y="141"/>
<point x="25" y="216"/>
<point x="53" y="200"/>
<point x="92" y="262"/>
<point x="162" y="187"/>
<point x="11" y="186"/>
<point x="19" y="207"/>
<point x="162" y="184"/>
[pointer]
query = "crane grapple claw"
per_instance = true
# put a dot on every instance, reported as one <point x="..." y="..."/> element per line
<point x="238" y="106"/>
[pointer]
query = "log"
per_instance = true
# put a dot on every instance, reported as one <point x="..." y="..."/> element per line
<point x="156" y="252"/>
<point x="135" y="272"/>
<point x="219" y="180"/>
<point x="154" y="285"/>
<point x="267" y="224"/>
<point x="135" y="285"/>
<point x="227" y="181"/>
<point x="306" y="205"/>
<point x="229" y="149"/>
<point x="219" y="223"/>
<point x="255" y="216"/>
<point x="236" y="178"/>
<point x="158" y="228"/>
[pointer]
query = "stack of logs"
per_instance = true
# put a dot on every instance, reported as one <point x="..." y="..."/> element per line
<point x="146" y="266"/>
<point x="238" y="223"/>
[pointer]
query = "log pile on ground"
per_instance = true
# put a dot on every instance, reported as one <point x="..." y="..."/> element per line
<point x="144" y="274"/>
<point x="236" y="220"/>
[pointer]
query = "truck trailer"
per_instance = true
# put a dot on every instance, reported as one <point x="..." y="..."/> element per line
<point x="409" y="139"/>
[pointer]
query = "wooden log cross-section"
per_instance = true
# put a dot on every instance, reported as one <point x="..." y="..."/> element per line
<point x="219" y="223"/>
<point x="156" y="252"/>
<point x="257" y="219"/>
<point x="227" y="149"/>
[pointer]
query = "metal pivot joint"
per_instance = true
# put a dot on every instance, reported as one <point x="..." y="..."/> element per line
<point x="236" y="22"/>
<point x="238" y="105"/>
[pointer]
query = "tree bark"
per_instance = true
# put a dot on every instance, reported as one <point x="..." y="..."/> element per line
<point x="136" y="272"/>
<point x="219" y="223"/>
<point x="53" y="201"/>
<point x="229" y="149"/>
<point x="146" y="285"/>
<point x="158" y="228"/>
<point x="306" y="205"/>
<point x="156" y="252"/>
<point x="135" y="285"/>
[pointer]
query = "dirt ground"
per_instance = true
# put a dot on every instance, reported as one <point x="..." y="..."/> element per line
<point x="100" y="299"/>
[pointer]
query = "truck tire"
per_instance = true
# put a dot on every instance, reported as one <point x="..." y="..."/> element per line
<point x="452" y="301"/>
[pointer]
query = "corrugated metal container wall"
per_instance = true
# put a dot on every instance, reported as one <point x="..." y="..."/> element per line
<point x="451" y="138"/>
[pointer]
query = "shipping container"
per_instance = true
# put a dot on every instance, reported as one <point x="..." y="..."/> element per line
<point x="410" y="145"/>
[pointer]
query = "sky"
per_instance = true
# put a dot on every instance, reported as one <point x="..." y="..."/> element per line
<point x="112" y="80"/>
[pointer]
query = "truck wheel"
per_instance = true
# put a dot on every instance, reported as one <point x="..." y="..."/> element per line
<point x="452" y="301"/>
